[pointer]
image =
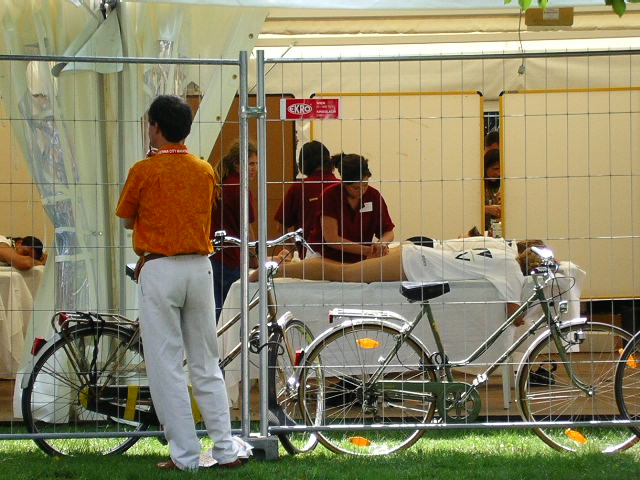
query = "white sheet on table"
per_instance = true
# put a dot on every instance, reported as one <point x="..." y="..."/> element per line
<point x="16" y="304"/>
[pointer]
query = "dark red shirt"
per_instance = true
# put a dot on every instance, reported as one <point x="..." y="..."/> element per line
<point x="360" y="225"/>
<point x="226" y="216"/>
<point x="301" y="203"/>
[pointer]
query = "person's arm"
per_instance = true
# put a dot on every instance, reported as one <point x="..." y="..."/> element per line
<point x="334" y="240"/>
<point x="494" y="210"/>
<point x="127" y="208"/>
<point x="511" y="309"/>
<point x="21" y="262"/>
<point x="381" y="247"/>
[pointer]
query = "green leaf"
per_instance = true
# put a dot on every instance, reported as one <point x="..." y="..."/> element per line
<point x="543" y="3"/>
<point x="619" y="6"/>
<point x="506" y="2"/>
<point x="524" y="4"/>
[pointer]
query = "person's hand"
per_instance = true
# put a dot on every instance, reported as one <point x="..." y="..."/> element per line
<point x="379" y="250"/>
<point x="43" y="258"/>
<point x="283" y="256"/>
<point x="493" y="210"/>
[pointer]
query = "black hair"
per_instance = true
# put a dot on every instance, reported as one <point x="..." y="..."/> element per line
<point x="35" y="244"/>
<point x="492" y="138"/>
<point x="491" y="157"/>
<point x="352" y="167"/>
<point x="422" y="241"/>
<point x="173" y="115"/>
<point x="314" y="155"/>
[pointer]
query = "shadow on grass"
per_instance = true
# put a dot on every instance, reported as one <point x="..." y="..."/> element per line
<point x="494" y="455"/>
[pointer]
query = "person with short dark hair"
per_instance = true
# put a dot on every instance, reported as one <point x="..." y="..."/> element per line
<point x="301" y="204"/>
<point x="353" y="214"/>
<point x="167" y="201"/>
<point x="225" y="215"/>
<point x="22" y="253"/>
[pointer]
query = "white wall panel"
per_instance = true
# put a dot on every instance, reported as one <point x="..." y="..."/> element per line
<point x="571" y="167"/>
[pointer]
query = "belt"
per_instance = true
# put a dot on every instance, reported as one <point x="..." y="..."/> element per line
<point x="152" y="256"/>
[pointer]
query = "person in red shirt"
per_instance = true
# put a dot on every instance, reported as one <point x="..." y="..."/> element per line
<point x="353" y="214"/>
<point x="301" y="203"/>
<point x="225" y="215"/>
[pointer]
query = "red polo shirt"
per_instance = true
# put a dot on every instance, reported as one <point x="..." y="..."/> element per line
<point x="360" y="225"/>
<point x="301" y="203"/>
<point x="226" y="216"/>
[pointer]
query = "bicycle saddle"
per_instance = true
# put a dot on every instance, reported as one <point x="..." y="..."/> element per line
<point x="421" y="292"/>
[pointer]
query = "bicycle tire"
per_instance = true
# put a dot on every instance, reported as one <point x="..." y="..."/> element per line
<point x="332" y="388"/>
<point x="554" y="398"/>
<point x="52" y="401"/>
<point x="283" y="384"/>
<point x="628" y="383"/>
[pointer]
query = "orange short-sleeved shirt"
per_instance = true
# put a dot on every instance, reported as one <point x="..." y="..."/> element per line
<point x="170" y="195"/>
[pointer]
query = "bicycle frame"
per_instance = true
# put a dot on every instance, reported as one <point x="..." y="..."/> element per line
<point x="543" y="277"/>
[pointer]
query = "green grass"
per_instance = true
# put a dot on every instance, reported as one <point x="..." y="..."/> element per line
<point x="442" y="455"/>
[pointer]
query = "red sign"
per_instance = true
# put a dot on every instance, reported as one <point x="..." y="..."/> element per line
<point x="309" y="108"/>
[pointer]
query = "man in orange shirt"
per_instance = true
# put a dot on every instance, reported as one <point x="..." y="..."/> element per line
<point x="167" y="200"/>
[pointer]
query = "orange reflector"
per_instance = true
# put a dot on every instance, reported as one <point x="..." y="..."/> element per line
<point x="367" y="343"/>
<point x="575" y="436"/>
<point x="360" y="441"/>
<point x="631" y="361"/>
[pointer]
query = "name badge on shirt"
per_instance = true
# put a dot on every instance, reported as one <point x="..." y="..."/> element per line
<point x="367" y="207"/>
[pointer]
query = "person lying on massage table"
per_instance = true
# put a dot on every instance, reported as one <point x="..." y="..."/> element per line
<point x="496" y="262"/>
<point x="21" y="253"/>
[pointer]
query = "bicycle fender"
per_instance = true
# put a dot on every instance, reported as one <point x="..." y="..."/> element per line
<point x="284" y="318"/>
<point x="354" y="323"/>
<point x="546" y="333"/>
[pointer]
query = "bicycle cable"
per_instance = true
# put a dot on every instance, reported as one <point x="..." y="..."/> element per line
<point x="93" y="369"/>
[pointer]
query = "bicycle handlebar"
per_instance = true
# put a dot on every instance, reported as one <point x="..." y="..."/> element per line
<point x="221" y="237"/>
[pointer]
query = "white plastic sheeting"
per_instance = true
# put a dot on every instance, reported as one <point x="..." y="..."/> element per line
<point x="79" y="126"/>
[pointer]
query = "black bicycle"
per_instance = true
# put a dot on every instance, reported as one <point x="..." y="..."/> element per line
<point x="90" y="377"/>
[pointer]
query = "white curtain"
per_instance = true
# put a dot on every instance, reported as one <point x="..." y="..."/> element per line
<point x="79" y="126"/>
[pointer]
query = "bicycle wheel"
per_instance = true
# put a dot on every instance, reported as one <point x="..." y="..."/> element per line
<point x="547" y="393"/>
<point x="628" y="383"/>
<point x="60" y="397"/>
<point x="336" y="389"/>
<point x="283" y="384"/>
